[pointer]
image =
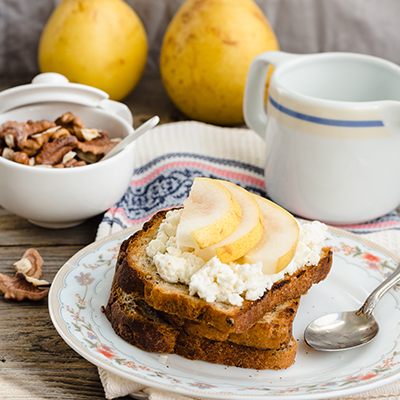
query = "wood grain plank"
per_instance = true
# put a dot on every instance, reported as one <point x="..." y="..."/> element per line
<point x="16" y="231"/>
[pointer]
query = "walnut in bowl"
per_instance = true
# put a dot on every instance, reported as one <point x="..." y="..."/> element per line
<point x="39" y="180"/>
<point x="63" y="143"/>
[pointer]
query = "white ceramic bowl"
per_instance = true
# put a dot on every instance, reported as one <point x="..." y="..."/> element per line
<point x="60" y="198"/>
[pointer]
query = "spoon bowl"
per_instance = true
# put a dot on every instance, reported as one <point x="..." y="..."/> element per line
<point x="347" y="330"/>
<point x="340" y="331"/>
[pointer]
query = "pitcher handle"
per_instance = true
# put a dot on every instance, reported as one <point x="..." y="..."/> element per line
<point x="254" y="111"/>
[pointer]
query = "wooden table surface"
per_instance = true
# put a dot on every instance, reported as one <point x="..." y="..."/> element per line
<point x="35" y="362"/>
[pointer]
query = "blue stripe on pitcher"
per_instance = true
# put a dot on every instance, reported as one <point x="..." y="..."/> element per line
<point x="325" y="121"/>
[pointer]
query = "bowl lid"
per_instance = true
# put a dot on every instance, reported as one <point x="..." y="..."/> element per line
<point x="49" y="87"/>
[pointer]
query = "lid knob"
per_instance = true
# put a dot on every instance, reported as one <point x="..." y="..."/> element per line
<point x="50" y="77"/>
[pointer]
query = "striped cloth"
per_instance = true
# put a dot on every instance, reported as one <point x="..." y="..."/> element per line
<point x="169" y="157"/>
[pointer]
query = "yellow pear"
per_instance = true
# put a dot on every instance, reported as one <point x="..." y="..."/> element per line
<point x="206" y="52"/>
<point x="101" y="43"/>
<point x="209" y="214"/>
<point x="279" y="242"/>
<point x="245" y="236"/>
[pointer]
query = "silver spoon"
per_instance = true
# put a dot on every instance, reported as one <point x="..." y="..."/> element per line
<point x="151" y="123"/>
<point x="346" y="330"/>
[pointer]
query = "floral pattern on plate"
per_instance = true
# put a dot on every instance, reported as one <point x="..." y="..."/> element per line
<point x="82" y="287"/>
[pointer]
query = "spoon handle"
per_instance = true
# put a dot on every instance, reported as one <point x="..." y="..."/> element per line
<point x="372" y="300"/>
<point x="149" y="124"/>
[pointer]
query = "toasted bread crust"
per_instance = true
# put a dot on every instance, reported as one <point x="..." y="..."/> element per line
<point x="272" y="331"/>
<point x="132" y="325"/>
<point x="195" y="348"/>
<point x="138" y="324"/>
<point x="136" y="274"/>
<point x="126" y="314"/>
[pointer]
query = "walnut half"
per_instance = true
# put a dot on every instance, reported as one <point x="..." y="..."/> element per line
<point x="24" y="285"/>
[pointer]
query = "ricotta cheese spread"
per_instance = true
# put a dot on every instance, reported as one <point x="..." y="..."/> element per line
<point x="228" y="283"/>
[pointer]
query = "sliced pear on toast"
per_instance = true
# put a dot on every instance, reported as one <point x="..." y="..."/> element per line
<point x="245" y="236"/>
<point x="278" y="244"/>
<point x="210" y="214"/>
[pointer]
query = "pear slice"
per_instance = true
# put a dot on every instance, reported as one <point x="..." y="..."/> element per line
<point x="279" y="242"/>
<point x="210" y="214"/>
<point x="246" y="235"/>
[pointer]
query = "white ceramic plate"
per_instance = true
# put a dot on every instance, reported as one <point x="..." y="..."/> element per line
<point x="82" y="286"/>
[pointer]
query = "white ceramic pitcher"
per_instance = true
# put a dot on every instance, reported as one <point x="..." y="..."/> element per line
<point x="332" y="132"/>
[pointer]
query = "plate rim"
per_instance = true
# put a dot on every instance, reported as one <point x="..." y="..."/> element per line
<point x="100" y="363"/>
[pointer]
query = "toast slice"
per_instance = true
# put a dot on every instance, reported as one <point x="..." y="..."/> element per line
<point x="136" y="274"/>
<point x="272" y="331"/>
<point x="235" y="355"/>
<point x="140" y="325"/>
